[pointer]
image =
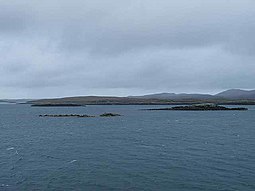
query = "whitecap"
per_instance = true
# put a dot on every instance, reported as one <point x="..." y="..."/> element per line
<point x="72" y="161"/>
<point x="11" y="148"/>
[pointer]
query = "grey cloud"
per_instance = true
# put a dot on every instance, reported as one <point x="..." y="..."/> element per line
<point x="116" y="47"/>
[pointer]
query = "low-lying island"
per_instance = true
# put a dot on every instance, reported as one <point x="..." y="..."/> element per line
<point x="201" y="107"/>
<point x="57" y="105"/>
<point x="78" y="115"/>
<point x="65" y="115"/>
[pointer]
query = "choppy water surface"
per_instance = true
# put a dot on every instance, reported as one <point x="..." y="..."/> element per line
<point x="141" y="150"/>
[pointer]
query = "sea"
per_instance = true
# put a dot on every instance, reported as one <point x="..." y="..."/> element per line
<point x="139" y="150"/>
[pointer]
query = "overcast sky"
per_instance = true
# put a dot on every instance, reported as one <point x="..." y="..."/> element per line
<point x="54" y="48"/>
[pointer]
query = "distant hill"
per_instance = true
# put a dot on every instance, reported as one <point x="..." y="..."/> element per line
<point x="237" y="94"/>
<point x="232" y="94"/>
<point x="236" y="97"/>
<point x="173" y="96"/>
<point x="100" y="100"/>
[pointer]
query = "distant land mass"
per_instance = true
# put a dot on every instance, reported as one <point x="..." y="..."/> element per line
<point x="174" y="96"/>
<point x="233" y="96"/>
<point x="237" y="94"/>
<point x="20" y="101"/>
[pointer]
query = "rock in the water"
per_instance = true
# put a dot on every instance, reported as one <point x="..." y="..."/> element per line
<point x="109" y="115"/>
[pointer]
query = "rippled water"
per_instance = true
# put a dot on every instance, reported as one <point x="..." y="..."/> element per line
<point x="141" y="150"/>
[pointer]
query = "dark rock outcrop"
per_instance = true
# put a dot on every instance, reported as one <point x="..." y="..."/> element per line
<point x="109" y="115"/>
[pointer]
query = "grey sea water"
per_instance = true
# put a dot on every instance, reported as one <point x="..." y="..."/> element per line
<point x="141" y="150"/>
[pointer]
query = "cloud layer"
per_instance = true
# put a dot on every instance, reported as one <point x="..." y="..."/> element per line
<point x="63" y="48"/>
